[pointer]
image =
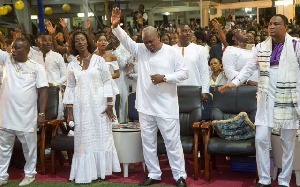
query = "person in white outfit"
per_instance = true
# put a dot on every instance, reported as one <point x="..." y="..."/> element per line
<point x="195" y="57"/>
<point x="24" y="83"/>
<point x="89" y="100"/>
<point x="55" y="67"/>
<point x="124" y="58"/>
<point x="217" y="76"/>
<point x="277" y="59"/>
<point x="235" y="57"/>
<point x="161" y="67"/>
<point x="113" y="67"/>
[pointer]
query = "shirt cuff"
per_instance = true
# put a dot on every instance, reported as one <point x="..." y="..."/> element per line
<point x="168" y="78"/>
<point x="118" y="27"/>
<point x="237" y="82"/>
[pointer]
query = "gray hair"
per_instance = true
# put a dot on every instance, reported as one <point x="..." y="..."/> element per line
<point x="150" y="30"/>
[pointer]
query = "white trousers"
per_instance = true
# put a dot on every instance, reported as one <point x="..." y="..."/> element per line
<point x="29" y="145"/>
<point x="262" y="145"/>
<point x="170" y="131"/>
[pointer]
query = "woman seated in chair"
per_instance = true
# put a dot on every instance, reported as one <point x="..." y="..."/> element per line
<point x="89" y="98"/>
<point x="217" y="74"/>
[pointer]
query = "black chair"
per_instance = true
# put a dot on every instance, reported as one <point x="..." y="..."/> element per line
<point x="117" y="105"/>
<point x="60" y="142"/>
<point x="190" y="111"/>
<point x="225" y="106"/>
<point x="44" y="135"/>
<point x="132" y="113"/>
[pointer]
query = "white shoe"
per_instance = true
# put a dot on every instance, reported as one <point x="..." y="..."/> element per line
<point x="3" y="182"/>
<point x="26" y="181"/>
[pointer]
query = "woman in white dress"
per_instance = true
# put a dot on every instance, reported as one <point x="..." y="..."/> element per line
<point x="111" y="61"/>
<point x="89" y="99"/>
<point x="217" y="76"/>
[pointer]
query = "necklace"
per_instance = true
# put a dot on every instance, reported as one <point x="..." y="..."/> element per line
<point x="17" y="66"/>
<point x="83" y="59"/>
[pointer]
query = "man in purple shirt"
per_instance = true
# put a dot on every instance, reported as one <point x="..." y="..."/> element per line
<point x="277" y="59"/>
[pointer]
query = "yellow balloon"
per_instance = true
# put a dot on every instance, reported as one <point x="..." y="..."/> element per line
<point x="3" y="10"/>
<point x="48" y="11"/>
<point x="9" y="8"/>
<point x="66" y="7"/>
<point x="19" y="5"/>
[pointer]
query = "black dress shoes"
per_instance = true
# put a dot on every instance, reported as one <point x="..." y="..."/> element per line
<point x="149" y="181"/>
<point x="262" y="185"/>
<point x="181" y="182"/>
<point x="282" y="186"/>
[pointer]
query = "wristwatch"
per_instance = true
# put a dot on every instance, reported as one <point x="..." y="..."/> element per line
<point x="165" y="79"/>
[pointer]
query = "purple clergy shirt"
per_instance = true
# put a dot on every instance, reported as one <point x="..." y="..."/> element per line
<point x="276" y="52"/>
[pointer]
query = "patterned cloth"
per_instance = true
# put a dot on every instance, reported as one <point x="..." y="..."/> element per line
<point x="286" y="105"/>
<point x="237" y="128"/>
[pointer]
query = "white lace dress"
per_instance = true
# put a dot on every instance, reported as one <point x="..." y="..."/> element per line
<point x="94" y="151"/>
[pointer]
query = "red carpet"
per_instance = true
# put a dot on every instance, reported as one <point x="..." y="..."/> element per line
<point x="222" y="177"/>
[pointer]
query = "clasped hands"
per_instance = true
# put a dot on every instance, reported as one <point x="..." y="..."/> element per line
<point x="157" y="78"/>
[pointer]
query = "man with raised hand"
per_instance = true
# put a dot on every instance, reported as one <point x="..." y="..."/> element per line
<point x="160" y="68"/>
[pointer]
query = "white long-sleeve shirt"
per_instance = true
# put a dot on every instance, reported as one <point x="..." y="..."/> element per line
<point x="195" y="57"/>
<point x="234" y="59"/>
<point x="55" y="66"/>
<point x="158" y="100"/>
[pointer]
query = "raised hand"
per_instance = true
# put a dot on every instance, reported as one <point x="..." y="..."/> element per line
<point x="63" y="23"/>
<point x="17" y="33"/>
<point x="2" y="38"/>
<point x="115" y="17"/>
<point x="50" y="28"/>
<point x="216" y="24"/>
<point x="88" y="23"/>
<point x="226" y="87"/>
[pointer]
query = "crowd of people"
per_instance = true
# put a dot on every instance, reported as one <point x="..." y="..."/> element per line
<point x="92" y="68"/>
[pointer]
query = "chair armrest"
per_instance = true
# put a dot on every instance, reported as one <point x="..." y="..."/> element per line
<point x="197" y="125"/>
<point x="55" y="124"/>
<point x="206" y="125"/>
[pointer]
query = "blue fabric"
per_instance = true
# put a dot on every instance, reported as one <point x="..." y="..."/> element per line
<point x="237" y="128"/>
<point x="132" y="113"/>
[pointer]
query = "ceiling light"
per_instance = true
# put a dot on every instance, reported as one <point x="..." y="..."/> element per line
<point x="81" y="15"/>
<point x="285" y="2"/>
<point x="34" y="17"/>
